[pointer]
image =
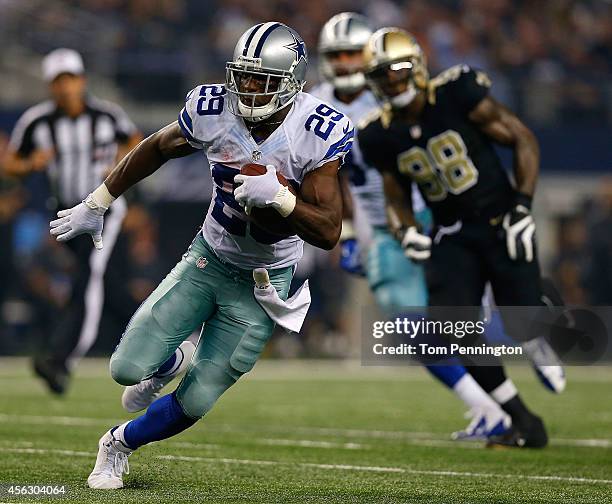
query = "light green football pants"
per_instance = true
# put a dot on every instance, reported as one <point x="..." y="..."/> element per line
<point x="200" y="289"/>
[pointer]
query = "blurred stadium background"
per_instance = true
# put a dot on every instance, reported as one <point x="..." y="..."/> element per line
<point x="550" y="60"/>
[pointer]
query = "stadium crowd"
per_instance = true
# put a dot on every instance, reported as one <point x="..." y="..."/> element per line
<point x="548" y="58"/>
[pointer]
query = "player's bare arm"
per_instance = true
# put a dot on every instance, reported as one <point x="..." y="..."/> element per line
<point x="347" y="199"/>
<point x="399" y="204"/>
<point x="402" y="222"/>
<point x="147" y="157"/>
<point x="350" y="252"/>
<point x="125" y="147"/>
<point x="317" y="216"/>
<point x="505" y="128"/>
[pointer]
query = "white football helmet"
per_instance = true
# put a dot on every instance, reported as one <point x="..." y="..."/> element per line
<point x="346" y="31"/>
<point x="273" y="54"/>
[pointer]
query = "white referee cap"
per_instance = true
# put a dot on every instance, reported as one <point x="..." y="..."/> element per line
<point x="62" y="61"/>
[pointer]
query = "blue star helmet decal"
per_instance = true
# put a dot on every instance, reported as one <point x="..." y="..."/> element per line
<point x="298" y="47"/>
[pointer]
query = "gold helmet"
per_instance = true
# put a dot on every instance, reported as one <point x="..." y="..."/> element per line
<point x="395" y="51"/>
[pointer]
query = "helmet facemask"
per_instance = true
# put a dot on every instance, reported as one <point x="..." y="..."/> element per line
<point x="345" y="77"/>
<point x="394" y="83"/>
<point x="276" y="89"/>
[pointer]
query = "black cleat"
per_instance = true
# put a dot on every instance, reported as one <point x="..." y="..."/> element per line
<point x="55" y="376"/>
<point x="530" y="435"/>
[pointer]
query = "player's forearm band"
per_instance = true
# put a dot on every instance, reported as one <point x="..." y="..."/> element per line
<point x="285" y="200"/>
<point x="102" y="196"/>
<point x="348" y="231"/>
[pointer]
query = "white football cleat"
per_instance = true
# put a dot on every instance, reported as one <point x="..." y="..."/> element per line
<point x="111" y="463"/>
<point x="138" y="397"/>
<point x="546" y="364"/>
<point x="486" y="421"/>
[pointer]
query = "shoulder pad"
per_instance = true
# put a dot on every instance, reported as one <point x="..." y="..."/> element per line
<point x="369" y="118"/>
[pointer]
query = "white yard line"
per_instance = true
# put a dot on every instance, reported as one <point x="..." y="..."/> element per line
<point x="56" y="420"/>
<point x="589" y="443"/>
<point x="46" y="451"/>
<point x="367" y="433"/>
<point x="412" y="437"/>
<point x="339" y="467"/>
<point x="309" y="443"/>
<point x="187" y="444"/>
<point x="346" y="467"/>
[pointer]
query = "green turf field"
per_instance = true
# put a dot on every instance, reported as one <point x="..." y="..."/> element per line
<point x="316" y="433"/>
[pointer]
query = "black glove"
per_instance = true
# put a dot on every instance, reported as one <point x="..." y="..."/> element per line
<point x="519" y="229"/>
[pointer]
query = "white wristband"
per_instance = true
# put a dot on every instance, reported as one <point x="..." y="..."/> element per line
<point x="285" y="201"/>
<point x="348" y="231"/>
<point x="102" y="197"/>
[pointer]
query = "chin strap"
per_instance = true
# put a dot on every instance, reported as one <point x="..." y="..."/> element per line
<point x="404" y="99"/>
<point x="263" y="112"/>
<point x="349" y="83"/>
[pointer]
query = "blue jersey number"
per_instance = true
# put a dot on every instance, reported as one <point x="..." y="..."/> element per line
<point x="211" y="100"/>
<point x="324" y="121"/>
<point x="223" y="177"/>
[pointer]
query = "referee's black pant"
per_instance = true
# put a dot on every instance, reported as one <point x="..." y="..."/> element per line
<point x="77" y="325"/>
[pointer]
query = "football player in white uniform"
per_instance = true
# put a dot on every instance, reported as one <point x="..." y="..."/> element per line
<point x="395" y="280"/>
<point x="260" y="114"/>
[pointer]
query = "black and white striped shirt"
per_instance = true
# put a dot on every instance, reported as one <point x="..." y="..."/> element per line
<point x="85" y="146"/>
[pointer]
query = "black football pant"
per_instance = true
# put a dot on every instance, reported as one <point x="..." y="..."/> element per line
<point x="461" y="264"/>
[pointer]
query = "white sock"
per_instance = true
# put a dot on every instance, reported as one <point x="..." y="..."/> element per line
<point x="504" y="392"/>
<point x="472" y="394"/>
<point x="118" y="435"/>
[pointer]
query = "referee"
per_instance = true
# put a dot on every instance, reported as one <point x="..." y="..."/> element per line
<point x="76" y="138"/>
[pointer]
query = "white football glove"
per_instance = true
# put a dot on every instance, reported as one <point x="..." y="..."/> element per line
<point x="86" y="217"/>
<point x="520" y="233"/>
<point x="264" y="191"/>
<point x="417" y="246"/>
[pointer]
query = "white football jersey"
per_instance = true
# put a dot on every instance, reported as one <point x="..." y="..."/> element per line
<point x="365" y="181"/>
<point x="312" y="134"/>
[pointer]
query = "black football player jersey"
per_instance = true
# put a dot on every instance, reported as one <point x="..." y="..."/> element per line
<point x="454" y="164"/>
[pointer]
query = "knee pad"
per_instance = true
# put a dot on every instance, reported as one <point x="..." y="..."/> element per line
<point x="250" y="347"/>
<point x="138" y="355"/>
<point x="207" y="379"/>
<point x="203" y="384"/>
<point x="125" y="372"/>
